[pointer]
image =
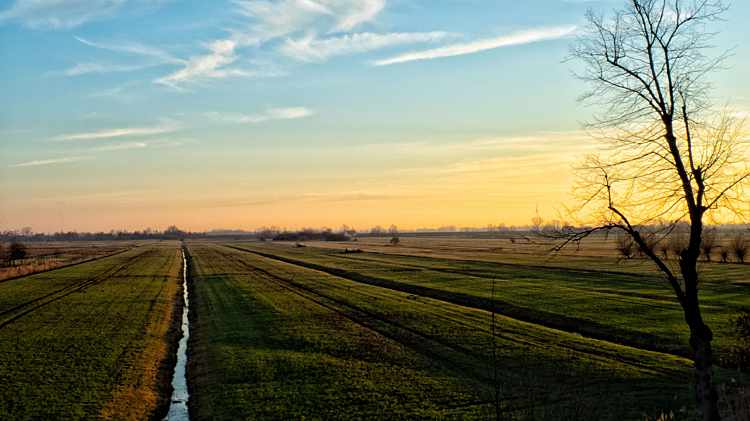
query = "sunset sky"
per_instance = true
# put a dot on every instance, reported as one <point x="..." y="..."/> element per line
<point x="127" y="114"/>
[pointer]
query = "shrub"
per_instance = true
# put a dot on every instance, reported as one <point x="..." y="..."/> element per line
<point x="625" y="246"/>
<point x="17" y="251"/>
<point x="739" y="247"/>
<point x="724" y="255"/>
<point x="708" y="244"/>
<point x="677" y="243"/>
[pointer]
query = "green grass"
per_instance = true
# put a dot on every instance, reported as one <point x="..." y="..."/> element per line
<point x="88" y="341"/>
<point x="281" y="341"/>
<point x="259" y="351"/>
<point x="636" y="309"/>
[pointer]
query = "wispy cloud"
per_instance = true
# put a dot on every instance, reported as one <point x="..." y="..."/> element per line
<point x="98" y="68"/>
<point x="41" y="162"/>
<point x="150" y="143"/>
<point x="134" y="48"/>
<point x="213" y="65"/>
<point x="271" y="20"/>
<point x="166" y="126"/>
<point x="311" y="48"/>
<point x="290" y="113"/>
<point x="359" y="12"/>
<point x="122" y="146"/>
<point x="518" y="38"/>
<point x="58" y="14"/>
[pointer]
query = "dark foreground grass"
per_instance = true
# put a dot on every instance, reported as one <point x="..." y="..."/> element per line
<point x="630" y="308"/>
<point x="261" y="351"/>
<point x="90" y="341"/>
<point x="274" y="340"/>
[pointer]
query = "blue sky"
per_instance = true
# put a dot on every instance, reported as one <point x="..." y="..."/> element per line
<point x="136" y="113"/>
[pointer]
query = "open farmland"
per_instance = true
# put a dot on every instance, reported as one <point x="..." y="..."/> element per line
<point x="42" y="256"/>
<point x="629" y="307"/>
<point x="275" y="339"/>
<point x="92" y="340"/>
<point x="597" y="252"/>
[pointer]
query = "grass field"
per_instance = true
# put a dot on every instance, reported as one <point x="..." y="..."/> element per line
<point x="611" y="303"/>
<point x="278" y="340"/>
<point x="282" y="332"/>
<point x="43" y="256"/>
<point x="91" y="340"/>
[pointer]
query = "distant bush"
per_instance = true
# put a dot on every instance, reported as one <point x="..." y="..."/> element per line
<point x="708" y="243"/>
<point x="395" y="241"/>
<point x="724" y="255"/>
<point x="625" y="246"/>
<point x="16" y="252"/>
<point x="311" y="235"/>
<point x="677" y="243"/>
<point x="739" y="247"/>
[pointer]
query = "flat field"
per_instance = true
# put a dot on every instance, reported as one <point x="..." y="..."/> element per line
<point x="42" y="256"/>
<point x="91" y="340"/>
<point x="283" y="333"/>
<point x="593" y="295"/>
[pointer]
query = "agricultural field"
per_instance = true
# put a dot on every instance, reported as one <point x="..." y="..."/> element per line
<point x="614" y="303"/>
<point x="433" y="328"/>
<point x="93" y="340"/>
<point x="598" y="251"/>
<point x="282" y="332"/>
<point x="42" y="256"/>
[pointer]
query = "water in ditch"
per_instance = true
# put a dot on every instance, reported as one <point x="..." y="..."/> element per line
<point x="178" y="408"/>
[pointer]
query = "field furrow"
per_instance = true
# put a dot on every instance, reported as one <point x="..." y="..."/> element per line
<point x="629" y="309"/>
<point x="575" y="375"/>
<point x="91" y="340"/>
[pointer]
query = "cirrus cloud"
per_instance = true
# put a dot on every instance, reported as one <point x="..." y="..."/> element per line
<point x="518" y="38"/>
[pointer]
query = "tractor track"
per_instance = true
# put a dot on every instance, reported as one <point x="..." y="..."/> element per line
<point x="540" y="318"/>
<point x="423" y="343"/>
<point x="532" y="341"/>
<point x="30" y="306"/>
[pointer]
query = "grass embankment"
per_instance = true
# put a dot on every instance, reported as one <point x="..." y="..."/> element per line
<point x="274" y="340"/>
<point x="91" y="340"/>
<point x="629" y="308"/>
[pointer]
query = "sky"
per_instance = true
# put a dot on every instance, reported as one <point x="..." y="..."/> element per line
<point x="128" y="114"/>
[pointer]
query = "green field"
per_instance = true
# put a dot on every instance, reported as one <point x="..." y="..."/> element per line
<point x="279" y="340"/>
<point x="92" y="340"/>
<point x="280" y="332"/>
<point x="611" y="303"/>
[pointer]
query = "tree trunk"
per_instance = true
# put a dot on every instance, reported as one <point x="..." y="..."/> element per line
<point x="708" y="398"/>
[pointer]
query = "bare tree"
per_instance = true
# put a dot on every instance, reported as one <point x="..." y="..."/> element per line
<point x="678" y="243"/>
<point x="739" y="247"/>
<point x="724" y="255"/>
<point x="709" y="243"/>
<point x="625" y="245"/>
<point x="669" y="157"/>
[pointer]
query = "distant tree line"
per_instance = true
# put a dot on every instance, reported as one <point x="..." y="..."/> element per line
<point x="27" y="235"/>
